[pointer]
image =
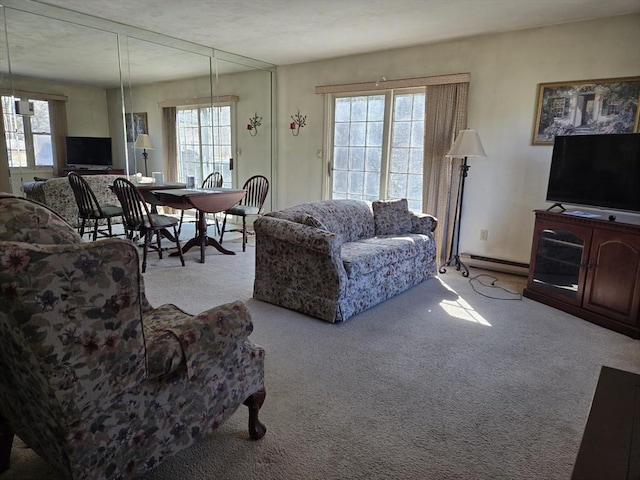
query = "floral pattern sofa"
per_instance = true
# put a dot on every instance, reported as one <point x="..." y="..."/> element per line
<point x="335" y="258"/>
<point x="94" y="379"/>
<point x="56" y="194"/>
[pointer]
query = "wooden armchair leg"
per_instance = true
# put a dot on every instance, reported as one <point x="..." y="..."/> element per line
<point x="6" y="442"/>
<point x="254" y="402"/>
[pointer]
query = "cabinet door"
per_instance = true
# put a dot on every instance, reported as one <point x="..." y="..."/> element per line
<point x="558" y="257"/>
<point x="613" y="280"/>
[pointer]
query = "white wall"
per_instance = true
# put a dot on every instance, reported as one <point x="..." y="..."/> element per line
<point x="503" y="189"/>
<point x="254" y="91"/>
<point x="87" y="116"/>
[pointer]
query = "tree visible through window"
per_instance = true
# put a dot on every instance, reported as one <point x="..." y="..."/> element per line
<point x="204" y="140"/>
<point x="379" y="153"/>
<point x="28" y="136"/>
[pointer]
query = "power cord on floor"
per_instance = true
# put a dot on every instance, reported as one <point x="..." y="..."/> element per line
<point x="516" y="296"/>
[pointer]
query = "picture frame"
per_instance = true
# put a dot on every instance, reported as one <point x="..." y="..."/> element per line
<point x="585" y="107"/>
<point x="136" y="123"/>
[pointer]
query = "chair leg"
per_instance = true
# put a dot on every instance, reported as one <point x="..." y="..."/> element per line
<point x="109" y="227"/>
<point x="244" y="233"/>
<point x="81" y="227"/>
<point x="6" y="442"/>
<point x="145" y="249"/>
<point x="254" y="402"/>
<point x="224" y="224"/>
<point x="175" y="232"/>
<point x="159" y="243"/>
<point x="95" y="230"/>
<point x="180" y="224"/>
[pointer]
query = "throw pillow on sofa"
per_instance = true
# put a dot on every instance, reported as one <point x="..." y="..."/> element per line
<point x="311" y="221"/>
<point x="391" y="217"/>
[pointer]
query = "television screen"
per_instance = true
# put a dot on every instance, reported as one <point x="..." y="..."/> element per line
<point x="89" y="151"/>
<point x="596" y="171"/>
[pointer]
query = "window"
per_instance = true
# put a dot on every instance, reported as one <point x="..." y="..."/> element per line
<point x="378" y="151"/>
<point x="560" y="107"/>
<point x="204" y="140"/>
<point x="28" y="136"/>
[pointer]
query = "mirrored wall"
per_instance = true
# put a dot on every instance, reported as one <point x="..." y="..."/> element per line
<point x="100" y="79"/>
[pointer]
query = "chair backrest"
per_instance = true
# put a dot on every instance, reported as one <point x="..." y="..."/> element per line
<point x="257" y="188"/>
<point x="213" y="180"/>
<point x="88" y="206"/>
<point x="134" y="209"/>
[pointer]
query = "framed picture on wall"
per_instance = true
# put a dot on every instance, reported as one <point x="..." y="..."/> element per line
<point x="586" y="107"/>
<point x="136" y="124"/>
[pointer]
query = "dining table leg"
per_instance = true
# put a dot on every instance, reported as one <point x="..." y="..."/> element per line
<point x="203" y="240"/>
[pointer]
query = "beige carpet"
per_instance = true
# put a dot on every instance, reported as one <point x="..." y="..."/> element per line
<point x="441" y="382"/>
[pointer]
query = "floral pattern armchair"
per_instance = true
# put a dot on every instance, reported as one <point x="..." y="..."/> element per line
<point x="94" y="379"/>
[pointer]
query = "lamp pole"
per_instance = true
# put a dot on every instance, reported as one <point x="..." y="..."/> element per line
<point x="467" y="145"/>
<point x="454" y="255"/>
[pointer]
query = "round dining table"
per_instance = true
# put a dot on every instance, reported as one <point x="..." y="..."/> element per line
<point x="211" y="200"/>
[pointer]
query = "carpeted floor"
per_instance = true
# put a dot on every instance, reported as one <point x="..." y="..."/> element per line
<point x="441" y="382"/>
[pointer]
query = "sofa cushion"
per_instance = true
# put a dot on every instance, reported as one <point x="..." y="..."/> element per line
<point x="353" y="219"/>
<point x="368" y="255"/>
<point x="391" y="217"/>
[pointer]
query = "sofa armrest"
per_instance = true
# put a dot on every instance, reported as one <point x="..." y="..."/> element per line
<point x="312" y="238"/>
<point x="210" y="334"/>
<point x="423" y="223"/>
<point x="34" y="190"/>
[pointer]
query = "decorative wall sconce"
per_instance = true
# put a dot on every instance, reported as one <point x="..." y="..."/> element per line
<point x="254" y="123"/>
<point x="298" y="122"/>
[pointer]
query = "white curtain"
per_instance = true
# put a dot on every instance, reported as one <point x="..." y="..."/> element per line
<point x="445" y="116"/>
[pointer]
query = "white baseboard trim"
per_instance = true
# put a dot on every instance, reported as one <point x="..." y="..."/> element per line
<point x="495" y="264"/>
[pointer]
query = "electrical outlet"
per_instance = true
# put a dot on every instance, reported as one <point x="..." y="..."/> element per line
<point x="484" y="234"/>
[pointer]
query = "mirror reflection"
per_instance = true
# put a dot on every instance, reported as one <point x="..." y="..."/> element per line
<point x="88" y="78"/>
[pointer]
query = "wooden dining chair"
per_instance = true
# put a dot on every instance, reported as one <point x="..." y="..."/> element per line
<point x="213" y="180"/>
<point x="89" y="209"/>
<point x="257" y="188"/>
<point x="138" y="218"/>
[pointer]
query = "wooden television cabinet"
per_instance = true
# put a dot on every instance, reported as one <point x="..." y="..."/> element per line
<point x="589" y="267"/>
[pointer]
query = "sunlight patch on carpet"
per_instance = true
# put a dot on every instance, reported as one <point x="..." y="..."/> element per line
<point x="460" y="308"/>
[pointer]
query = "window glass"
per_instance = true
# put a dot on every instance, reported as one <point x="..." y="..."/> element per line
<point x="362" y="167"/>
<point x="28" y="137"/>
<point x="204" y="142"/>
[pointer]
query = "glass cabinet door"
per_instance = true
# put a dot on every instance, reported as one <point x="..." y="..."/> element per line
<point x="560" y="254"/>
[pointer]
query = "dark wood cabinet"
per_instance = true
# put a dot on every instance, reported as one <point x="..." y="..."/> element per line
<point x="589" y="267"/>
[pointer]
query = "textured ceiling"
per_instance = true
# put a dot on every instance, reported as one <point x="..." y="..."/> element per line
<point x="279" y="32"/>
<point x="292" y="31"/>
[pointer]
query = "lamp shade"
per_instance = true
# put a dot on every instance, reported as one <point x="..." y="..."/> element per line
<point x="143" y="141"/>
<point x="467" y="145"/>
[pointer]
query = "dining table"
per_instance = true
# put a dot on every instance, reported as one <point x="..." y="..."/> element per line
<point x="146" y="190"/>
<point x="210" y="200"/>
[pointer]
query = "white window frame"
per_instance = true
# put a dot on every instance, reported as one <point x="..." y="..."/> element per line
<point x="29" y="144"/>
<point x="390" y="94"/>
<point x="227" y="172"/>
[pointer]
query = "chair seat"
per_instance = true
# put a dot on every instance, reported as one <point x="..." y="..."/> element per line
<point x="161" y="221"/>
<point x="108" y="211"/>
<point x="242" y="210"/>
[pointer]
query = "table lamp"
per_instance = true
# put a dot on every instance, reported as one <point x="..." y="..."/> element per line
<point x="143" y="141"/>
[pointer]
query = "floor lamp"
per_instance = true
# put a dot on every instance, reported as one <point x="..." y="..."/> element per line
<point x="467" y="145"/>
<point x="144" y="142"/>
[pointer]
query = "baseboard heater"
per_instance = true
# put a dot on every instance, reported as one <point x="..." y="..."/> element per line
<point x="497" y="264"/>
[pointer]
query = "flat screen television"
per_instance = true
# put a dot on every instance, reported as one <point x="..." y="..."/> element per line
<point x="601" y="171"/>
<point x="87" y="152"/>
